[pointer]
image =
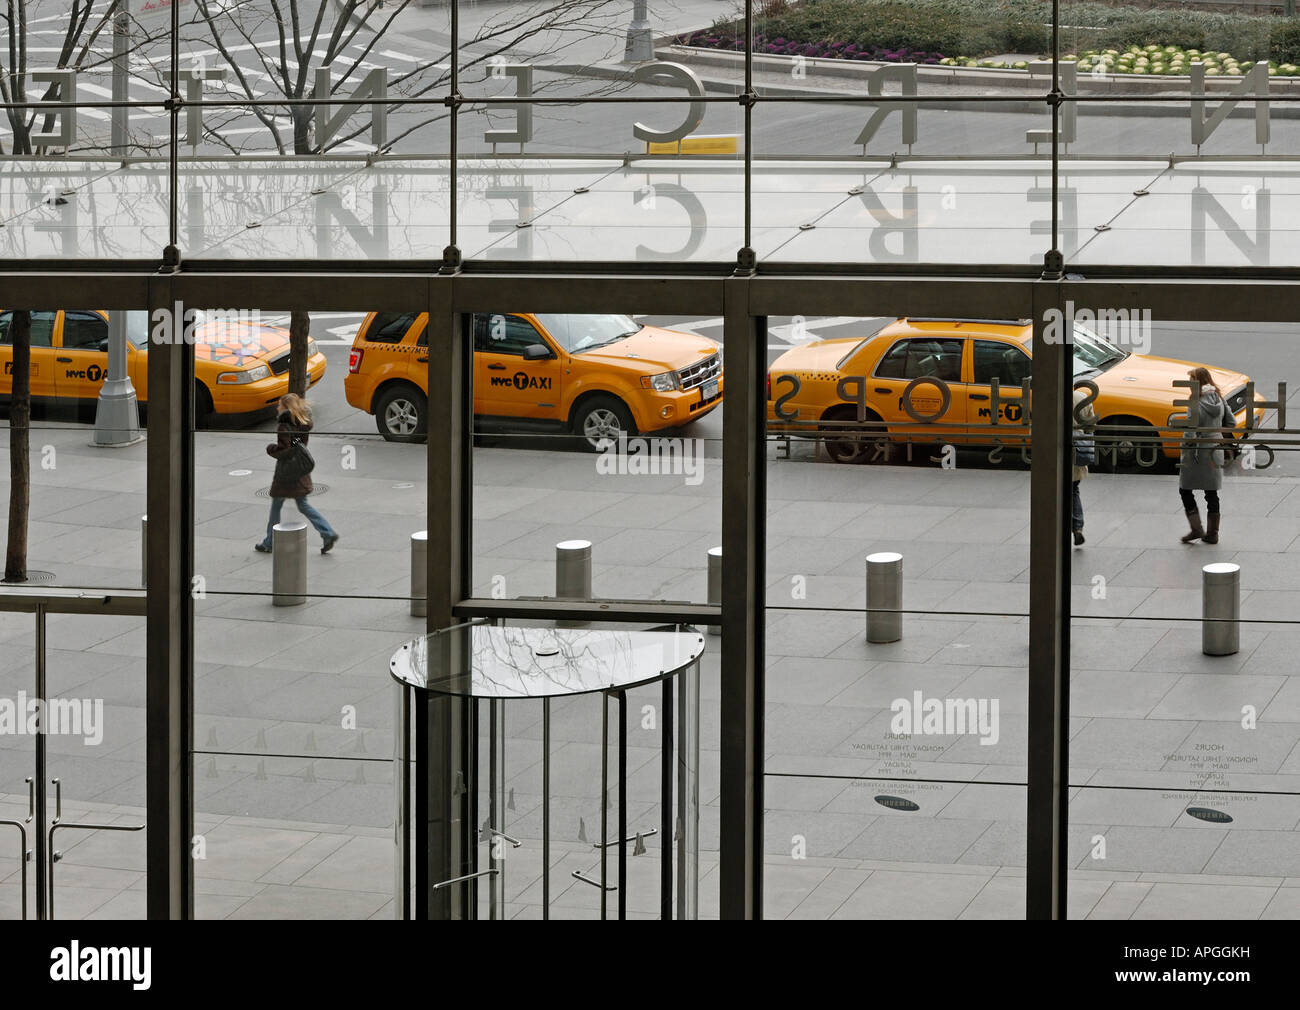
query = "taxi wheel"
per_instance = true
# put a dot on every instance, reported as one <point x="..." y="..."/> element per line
<point x="202" y="404"/>
<point x="601" y="420"/>
<point x="1119" y="446"/>
<point x="845" y="445"/>
<point x="401" y="414"/>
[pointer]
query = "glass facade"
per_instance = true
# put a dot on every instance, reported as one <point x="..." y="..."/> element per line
<point x="753" y="305"/>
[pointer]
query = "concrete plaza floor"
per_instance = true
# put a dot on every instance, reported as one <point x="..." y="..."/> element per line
<point x="293" y="739"/>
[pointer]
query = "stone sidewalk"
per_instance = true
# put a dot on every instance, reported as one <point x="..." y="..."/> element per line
<point x="293" y="738"/>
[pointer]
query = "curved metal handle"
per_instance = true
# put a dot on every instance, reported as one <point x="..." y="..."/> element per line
<point x="31" y="797"/>
<point x="58" y="801"/>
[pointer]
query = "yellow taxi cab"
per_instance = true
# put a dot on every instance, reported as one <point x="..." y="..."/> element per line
<point x="240" y="365"/>
<point x="943" y="370"/>
<point x="598" y="376"/>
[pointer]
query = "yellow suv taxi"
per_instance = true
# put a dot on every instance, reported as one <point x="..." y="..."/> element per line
<point x="943" y="369"/>
<point x="596" y="375"/>
<point x="240" y="365"/>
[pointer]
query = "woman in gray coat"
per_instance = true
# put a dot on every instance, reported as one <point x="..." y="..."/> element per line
<point x="1199" y="465"/>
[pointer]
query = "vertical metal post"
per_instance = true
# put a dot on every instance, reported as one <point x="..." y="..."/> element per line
<point x="120" y="125"/>
<point x="744" y="506"/>
<point x="169" y="652"/>
<point x="117" y="418"/>
<point x="496" y="806"/>
<point x="420" y="573"/>
<point x="144" y="551"/>
<point x="622" y="805"/>
<point x="714" y="597"/>
<point x="573" y="575"/>
<point x="289" y="564"/>
<point x="402" y="820"/>
<point x="1220" y="608"/>
<point x="666" y="804"/>
<point x="445" y="791"/>
<point x="42" y="773"/>
<point x="546" y="808"/>
<point x="688" y="791"/>
<point x="640" y="43"/>
<point x="604" y="805"/>
<point x="884" y="597"/>
<point x="1049" y="616"/>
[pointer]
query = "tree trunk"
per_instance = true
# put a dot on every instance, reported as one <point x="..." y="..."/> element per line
<point x="302" y="118"/>
<point x="20" y="417"/>
<point x="299" y="329"/>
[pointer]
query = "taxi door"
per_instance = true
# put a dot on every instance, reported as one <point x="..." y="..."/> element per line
<point x="80" y="355"/>
<point x="1006" y="361"/>
<point x="42" y="370"/>
<point x="505" y="383"/>
<point x="916" y="358"/>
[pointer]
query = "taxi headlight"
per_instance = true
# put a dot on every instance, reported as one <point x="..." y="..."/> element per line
<point x="254" y="374"/>
<point x="664" y="382"/>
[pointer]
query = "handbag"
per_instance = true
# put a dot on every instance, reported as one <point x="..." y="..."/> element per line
<point x="1085" y="451"/>
<point x="295" y="464"/>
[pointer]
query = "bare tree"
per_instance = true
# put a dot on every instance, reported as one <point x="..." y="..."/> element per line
<point x="20" y="421"/>
<point x="89" y="24"/>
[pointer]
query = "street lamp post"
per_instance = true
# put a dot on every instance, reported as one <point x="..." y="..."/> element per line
<point x="640" y="45"/>
<point x="116" y="420"/>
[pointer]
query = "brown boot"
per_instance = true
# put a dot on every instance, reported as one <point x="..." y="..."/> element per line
<point x="1212" y="536"/>
<point x="1194" y="521"/>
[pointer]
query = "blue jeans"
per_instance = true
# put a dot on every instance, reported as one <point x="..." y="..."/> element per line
<point x="1076" y="503"/>
<point x="308" y="512"/>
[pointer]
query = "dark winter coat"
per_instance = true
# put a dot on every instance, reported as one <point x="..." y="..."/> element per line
<point x="284" y="435"/>
<point x="1199" y="468"/>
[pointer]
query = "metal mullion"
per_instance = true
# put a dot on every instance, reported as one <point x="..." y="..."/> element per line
<point x="1047" y="864"/>
<point x="169" y="652"/>
<point x="744" y="466"/>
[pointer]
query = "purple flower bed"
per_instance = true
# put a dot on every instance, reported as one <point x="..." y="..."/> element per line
<point x="819" y="50"/>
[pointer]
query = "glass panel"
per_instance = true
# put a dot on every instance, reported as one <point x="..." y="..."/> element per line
<point x="1184" y="754"/>
<point x="596" y="429"/>
<point x="897" y="621"/>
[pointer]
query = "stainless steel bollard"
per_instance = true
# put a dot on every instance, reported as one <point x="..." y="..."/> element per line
<point x="573" y="575"/>
<point x="420" y="573"/>
<point x="144" y="551"/>
<point x="1220" y="608"/>
<point x="289" y="564"/>
<point x="884" y="591"/>
<point x="715" y="584"/>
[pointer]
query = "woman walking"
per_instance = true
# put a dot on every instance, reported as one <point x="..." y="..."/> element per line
<point x="1200" y="469"/>
<point x="294" y="424"/>
<point x="1084" y="453"/>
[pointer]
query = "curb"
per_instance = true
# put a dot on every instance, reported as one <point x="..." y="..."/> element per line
<point x="717" y="85"/>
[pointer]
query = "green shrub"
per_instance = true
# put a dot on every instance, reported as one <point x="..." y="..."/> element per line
<point x="985" y="27"/>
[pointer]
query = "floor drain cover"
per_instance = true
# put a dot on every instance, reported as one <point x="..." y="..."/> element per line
<point x="35" y="578"/>
<point x="316" y="488"/>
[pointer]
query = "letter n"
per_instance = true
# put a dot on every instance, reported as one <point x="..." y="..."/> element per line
<point x="373" y="86"/>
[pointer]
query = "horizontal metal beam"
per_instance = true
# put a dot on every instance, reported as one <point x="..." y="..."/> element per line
<point x="572" y="292"/>
<point x="959" y="294"/>
<point x="561" y="610"/>
<point x="127" y="603"/>
<point x="73" y="286"/>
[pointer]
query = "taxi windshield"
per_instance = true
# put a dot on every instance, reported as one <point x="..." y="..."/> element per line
<point x="583" y="332"/>
<point x="1093" y="353"/>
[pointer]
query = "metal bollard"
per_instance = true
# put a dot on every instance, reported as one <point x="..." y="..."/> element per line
<point x="1220" y="608"/>
<point x="144" y="551"/>
<point x="715" y="584"/>
<point x="420" y="573"/>
<point x="884" y="591"/>
<point x="289" y="564"/>
<point x="573" y="575"/>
